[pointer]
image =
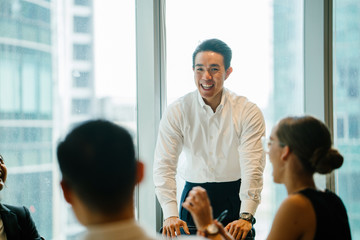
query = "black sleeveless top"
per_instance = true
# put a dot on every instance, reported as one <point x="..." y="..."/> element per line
<point x="331" y="217"/>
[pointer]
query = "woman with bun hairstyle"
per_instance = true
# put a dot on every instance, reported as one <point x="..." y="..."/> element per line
<point x="298" y="147"/>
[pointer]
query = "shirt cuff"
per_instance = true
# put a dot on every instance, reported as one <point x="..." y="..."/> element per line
<point x="170" y="210"/>
<point x="248" y="206"/>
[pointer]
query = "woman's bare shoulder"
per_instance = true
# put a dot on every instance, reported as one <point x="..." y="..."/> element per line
<point x="295" y="219"/>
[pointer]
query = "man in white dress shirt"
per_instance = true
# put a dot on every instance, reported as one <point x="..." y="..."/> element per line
<point x="220" y="134"/>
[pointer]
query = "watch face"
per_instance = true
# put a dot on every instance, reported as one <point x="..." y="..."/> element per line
<point x="212" y="229"/>
<point x="246" y="216"/>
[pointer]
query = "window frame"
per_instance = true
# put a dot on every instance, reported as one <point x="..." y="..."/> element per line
<point x="151" y="85"/>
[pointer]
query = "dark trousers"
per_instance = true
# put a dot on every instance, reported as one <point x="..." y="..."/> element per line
<point x="223" y="196"/>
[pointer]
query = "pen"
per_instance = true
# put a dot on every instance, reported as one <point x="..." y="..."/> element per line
<point x="222" y="215"/>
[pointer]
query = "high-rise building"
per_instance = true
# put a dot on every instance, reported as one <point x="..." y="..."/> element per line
<point x="26" y="113"/>
<point x="46" y="86"/>
<point x="347" y="104"/>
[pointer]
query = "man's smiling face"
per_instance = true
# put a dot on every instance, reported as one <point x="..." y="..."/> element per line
<point x="209" y="75"/>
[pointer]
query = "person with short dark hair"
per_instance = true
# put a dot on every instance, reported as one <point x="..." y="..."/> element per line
<point x="99" y="174"/>
<point x="220" y="134"/>
<point x="15" y="222"/>
<point x="298" y="147"/>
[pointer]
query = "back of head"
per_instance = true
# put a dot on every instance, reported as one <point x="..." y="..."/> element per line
<point x="97" y="161"/>
<point x="214" y="45"/>
<point x="310" y="140"/>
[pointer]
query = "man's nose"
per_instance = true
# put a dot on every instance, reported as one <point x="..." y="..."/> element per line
<point x="207" y="75"/>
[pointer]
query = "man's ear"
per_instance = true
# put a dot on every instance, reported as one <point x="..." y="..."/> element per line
<point x="228" y="72"/>
<point x="140" y="168"/>
<point x="66" y="191"/>
<point x="285" y="153"/>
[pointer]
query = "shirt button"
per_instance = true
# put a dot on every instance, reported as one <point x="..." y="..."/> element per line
<point x="210" y="153"/>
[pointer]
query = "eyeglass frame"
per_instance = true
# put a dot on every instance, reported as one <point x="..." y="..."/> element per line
<point x="267" y="142"/>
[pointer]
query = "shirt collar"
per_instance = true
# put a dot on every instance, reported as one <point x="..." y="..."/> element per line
<point x="222" y="102"/>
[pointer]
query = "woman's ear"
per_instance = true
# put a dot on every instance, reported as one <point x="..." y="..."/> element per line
<point x="140" y="168"/>
<point x="285" y="153"/>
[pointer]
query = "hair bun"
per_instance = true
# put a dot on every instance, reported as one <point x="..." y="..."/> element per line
<point x="325" y="161"/>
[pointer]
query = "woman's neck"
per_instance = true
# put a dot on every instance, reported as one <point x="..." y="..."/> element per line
<point x="297" y="183"/>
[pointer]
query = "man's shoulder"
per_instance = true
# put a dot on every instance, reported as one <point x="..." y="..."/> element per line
<point x="184" y="102"/>
<point x="237" y="100"/>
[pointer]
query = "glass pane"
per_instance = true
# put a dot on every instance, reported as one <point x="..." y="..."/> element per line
<point x="266" y="38"/>
<point x="346" y="105"/>
<point x="49" y="82"/>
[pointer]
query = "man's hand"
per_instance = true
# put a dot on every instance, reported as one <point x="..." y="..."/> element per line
<point x="172" y="225"/>
<point x="239" y="228"/>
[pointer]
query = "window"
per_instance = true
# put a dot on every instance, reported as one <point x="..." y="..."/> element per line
<point x="82" y="52"/>
<point x="81" y="79"/>
<point x="353" y="79"/>
<point x="354" y="130"/>
<point x="42" y="97"/>
<point x="346" y="101"/>
<point x="340" y="128"/>
<point x="267" y="53"/>
<point x="81" y="106"/>
<point x="82" y="2"/>
<point x="82" y="24"/>
<point x="32" y="12"/>
<point x="28" y="94"/>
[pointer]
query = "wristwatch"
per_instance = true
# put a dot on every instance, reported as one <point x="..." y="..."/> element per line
<point x="211" y="229"/>
<point x="247" y="217"/>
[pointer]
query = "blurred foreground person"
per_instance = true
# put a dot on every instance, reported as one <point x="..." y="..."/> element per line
<point x="99" y="174"/>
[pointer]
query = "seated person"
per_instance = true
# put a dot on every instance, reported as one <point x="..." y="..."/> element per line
<point x="99" y="174"/>
<point x="15" y="222"/>
<point x="298" y="147"/>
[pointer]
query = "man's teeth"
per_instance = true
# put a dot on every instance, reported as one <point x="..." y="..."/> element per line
<point x="205" y="86"/>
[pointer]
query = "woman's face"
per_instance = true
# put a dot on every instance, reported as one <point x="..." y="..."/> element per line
<point x="3" y="173"/>
<point x="275" y="151"/>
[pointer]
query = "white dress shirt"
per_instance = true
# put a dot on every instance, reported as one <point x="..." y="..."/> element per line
<point x="219" y="147"/>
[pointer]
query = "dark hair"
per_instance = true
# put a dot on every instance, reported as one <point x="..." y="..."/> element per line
<point x="97" y="161"/>
<point x="310" y="140"/>
<point x="214" y="45"/>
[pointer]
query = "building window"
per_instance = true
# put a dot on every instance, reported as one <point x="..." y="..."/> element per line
<point x="340" y="127"/>
<point x="82" y="2"/>
<point x="353" y="86"/>
<point x="82" y="52"/>
<point x="82" y="24"/>
<point x="81" y="106"/>
<point x="354" y="127"/>
<point x="81" y="79"/>
<point x="34" y="12"/>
